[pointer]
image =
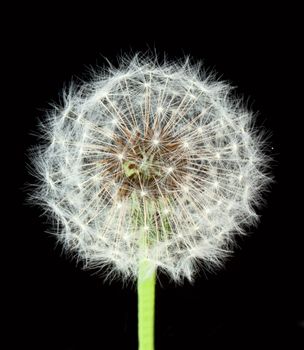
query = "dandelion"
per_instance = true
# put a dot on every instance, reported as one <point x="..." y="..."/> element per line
<point x="150" y="166"/>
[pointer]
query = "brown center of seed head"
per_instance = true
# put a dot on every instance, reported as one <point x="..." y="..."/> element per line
<point x="151" y="164"/>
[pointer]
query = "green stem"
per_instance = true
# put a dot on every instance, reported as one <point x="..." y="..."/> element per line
<point x="146" y="301"/>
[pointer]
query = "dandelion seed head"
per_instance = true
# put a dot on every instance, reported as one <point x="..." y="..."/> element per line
<point x="154" y="161"/>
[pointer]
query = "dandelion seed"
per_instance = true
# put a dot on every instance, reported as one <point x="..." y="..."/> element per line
<point x="185" y="188"/>
<point x="186" y="144"/>
<point x="234" y="147"/>
<point x="169" y="169"/>
<point x="120" y="156"/>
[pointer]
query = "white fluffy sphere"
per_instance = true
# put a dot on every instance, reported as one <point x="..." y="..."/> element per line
<point x="150" y="161"/>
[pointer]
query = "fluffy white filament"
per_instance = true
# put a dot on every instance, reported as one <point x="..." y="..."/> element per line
<point x="150" y="161"/>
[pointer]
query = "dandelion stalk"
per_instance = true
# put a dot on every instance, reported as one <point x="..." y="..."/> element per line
<point x="146" y="301"/>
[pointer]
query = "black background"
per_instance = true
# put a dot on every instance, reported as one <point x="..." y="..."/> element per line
<point x="256" y="299"/>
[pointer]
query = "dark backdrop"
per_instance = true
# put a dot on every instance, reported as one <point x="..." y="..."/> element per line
<point x="256" y="299"/>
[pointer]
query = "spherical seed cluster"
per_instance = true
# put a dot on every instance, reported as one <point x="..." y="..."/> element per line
<point x="150" y="161"/>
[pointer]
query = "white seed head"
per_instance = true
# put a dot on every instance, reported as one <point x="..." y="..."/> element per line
<point x="150" y="161"/>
